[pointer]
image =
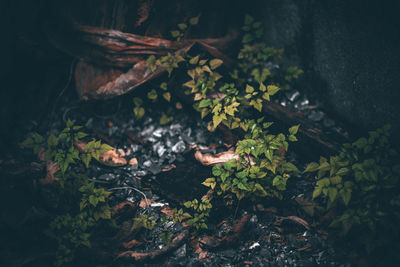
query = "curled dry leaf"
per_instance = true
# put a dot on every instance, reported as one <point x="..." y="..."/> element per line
<point x="133" y="161"/>
<point x="132" y="243"/>
<point x="111" y="158"/>
<point x="143" y="204"/>
<point x="51" y="169"/>
<point x="173" y="166"/>
<point x="210" y="159"/>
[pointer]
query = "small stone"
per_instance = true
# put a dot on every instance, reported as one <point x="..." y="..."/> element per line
<point x="328" y="123"/>
<point x="179" y="147"/>
<point x="175" y="129"/>
<point x="255" y="245"/>
<point x="148" y="131"/>
<point x="302" y="103"/>
<point x="159" y="148"/>
<point x="155" y="169"/>
<point x="316" y="115"/>
<point x="158" y="132"/>
<point x="147" y="164"/>
<point x="230" y="253"/>
<point x="293" y="96"/>
<point x="254" y="219"/>
<point x="181" y="252"/>
<point x="141" y="173"/>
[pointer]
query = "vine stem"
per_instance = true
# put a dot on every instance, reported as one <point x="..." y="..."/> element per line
<point x="130" y="187"/>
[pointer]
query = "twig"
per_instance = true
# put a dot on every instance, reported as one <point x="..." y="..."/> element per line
<point x="130" y="187"/>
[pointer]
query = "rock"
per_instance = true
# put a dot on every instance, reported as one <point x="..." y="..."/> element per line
<point x="179" y="147"/>
<point x="108" y="177"/>
<point x="180" y="252"/>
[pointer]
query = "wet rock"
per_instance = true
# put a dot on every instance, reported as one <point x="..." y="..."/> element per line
<point x="254" y="245"/>
<point x="302" y="103"/>
<point x="155" y="169"/>
<point x="293" y="96"/>
<point x="180" y="252"/>
<point x="107" y="177"/>
<point x="230" y="253"/>
<point x="316" y="115"/>
<point x="147" y="164"/>
<point x="328" y="123"/>
<point x="141" y="173"/>
<point x="179" y="147"/>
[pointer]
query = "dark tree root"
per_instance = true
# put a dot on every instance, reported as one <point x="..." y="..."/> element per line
<point x="213" y="242"/>
<point x="151" y="255"/>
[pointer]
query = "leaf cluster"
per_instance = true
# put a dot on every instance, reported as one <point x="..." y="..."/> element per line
<point x="62" y="148"/>
<point x="362" y="183"/>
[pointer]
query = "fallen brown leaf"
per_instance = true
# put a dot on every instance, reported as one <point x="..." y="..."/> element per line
<point x="210" y="159"/>
<point x="51" y="168"/>
<point x="133" y="161"/>
<point x="143" y="204"/>
<point x="111" y="158"/>
<point x="132" y="243"/>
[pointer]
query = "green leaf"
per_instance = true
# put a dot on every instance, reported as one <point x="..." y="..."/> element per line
<point x="249" y="89"/>
<point x="294" y="129"/>
<point x="164" y="86"/>
<point x="52" y="140"/>
<point x="165" y="119"/>
<point x="217" y="119"/>
<point x="248" y="20"/>
<point x="342" y="171"/>
<point x="175" y="33"/>
<point x="266" y="96"/>
<point x="194" y="60"/>
<point x="345" y="195"/>
<point x="194" y="20"/>
<point x="205" y="103"/>
<point x="317" y="192"/>
<point x="209" y="182"/>
<point x="215" y="63"/>
<point x="332" y="193"/>
<point x="86" y="158"/>
<point x="182" y="26"/>
<point x="69" y="123"/>
<point x="139" y="112"/>
<point x="324" y="166"/>
<point x="152" y="94"/>
<point x="105" y="147"/>
<point x="167" y="96"/>
<point x="272" y="89"/>
<point x="37" y="138"/>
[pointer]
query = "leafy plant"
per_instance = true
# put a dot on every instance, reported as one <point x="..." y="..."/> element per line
<point x="259" y="171"/>
<point x="143" y="221"/>
<point x="362" y="185"/>
<point x="72" y="231"/>
<point x="169" y="62"/>
<point x="62" y="148"/>
<point x="183" y="28"/>
<point x="201" y="211"/>
<point x="138" y="110"/>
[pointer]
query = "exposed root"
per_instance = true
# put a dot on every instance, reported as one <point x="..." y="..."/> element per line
<point x="151" y="255"/>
